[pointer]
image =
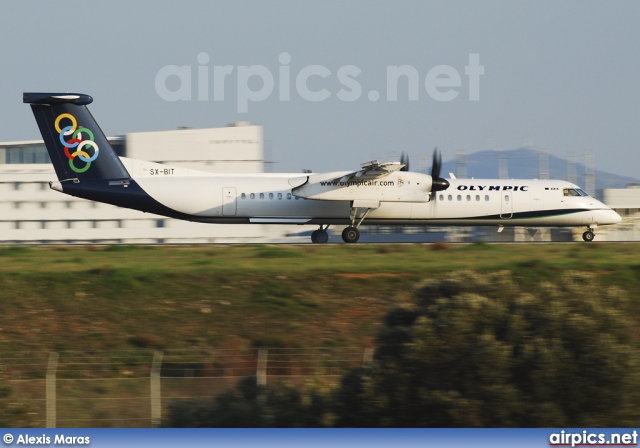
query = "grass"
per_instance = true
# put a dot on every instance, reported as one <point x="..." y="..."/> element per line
<point x="106" y="309"/>
<point x="120" y="298"/>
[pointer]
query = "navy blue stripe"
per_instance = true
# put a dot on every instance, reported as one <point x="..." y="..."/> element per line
<point x="129" y="196"/>
<point x="528" y="215"/>
<point x="134" y="197"/>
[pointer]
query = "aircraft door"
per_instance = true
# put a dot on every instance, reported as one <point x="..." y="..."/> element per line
<point x="228" y="201"/>
<point x="506" y="210"/>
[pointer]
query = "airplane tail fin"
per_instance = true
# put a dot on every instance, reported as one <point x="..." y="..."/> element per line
<point x="77" y="146"/>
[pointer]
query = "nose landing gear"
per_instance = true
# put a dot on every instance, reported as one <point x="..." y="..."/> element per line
<point x="588" y="236"/>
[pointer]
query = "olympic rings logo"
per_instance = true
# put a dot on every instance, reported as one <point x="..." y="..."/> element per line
<point x="76" y="141"/>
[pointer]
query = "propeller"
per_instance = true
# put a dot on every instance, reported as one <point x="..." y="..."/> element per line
<point x="404" y="159"/>
<point x="437" y="182"/>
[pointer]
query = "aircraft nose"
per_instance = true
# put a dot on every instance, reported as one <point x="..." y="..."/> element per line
<point x="616" y="217"/>
<point x="609" y="217"/>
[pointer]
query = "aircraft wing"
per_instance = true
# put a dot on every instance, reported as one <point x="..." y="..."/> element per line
<point x="364" y="187"/>
<point x="372" y="170"/>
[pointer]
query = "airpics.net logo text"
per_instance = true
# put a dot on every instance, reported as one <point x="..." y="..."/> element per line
<point x="593" y="438"/>
<point x="255" y="83"/>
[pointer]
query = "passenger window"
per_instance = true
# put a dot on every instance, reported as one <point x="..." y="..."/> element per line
<point x="270" y="195"/>
<point x="279" y="195"/>
<point x="243" y="196"/>
<point x="477" y="197"/>
<point x="288" y="195"/>
<point x="486" y="198"/>
<point x="252" y="196"/>
<point x="450" y="198"/>
<point x="442" y="197"/>
<point x="459" y="197"/>
<point x="468" y="197"/>
<point x="261" y="195"/>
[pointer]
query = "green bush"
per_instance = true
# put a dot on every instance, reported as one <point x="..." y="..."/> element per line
<point x="250" y="406"/>
<point x="479" y="350"/>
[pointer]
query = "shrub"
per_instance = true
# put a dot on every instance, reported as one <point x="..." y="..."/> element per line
<point x="477" y="350"/>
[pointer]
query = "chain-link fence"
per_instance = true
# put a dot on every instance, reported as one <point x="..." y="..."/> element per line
<point x="135" y="388"/>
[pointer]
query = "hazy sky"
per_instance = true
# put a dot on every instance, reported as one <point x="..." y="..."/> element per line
<point x="564" y="76"/>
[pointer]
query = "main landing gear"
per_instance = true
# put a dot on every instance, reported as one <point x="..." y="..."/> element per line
<point x="588" y="236"/>
<point x="349" y="235"/>
<point x="320" y="236"/>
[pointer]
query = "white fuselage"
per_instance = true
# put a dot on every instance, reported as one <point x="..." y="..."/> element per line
<point x="398" y="198"/>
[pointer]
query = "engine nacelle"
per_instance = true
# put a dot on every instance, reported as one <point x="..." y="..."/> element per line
<point x="399" y="186"/>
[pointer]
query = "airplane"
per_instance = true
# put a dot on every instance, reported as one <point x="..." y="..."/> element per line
<point x="379" y="193"/>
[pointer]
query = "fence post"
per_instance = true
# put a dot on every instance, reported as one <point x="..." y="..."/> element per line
<point x="261" y="373"/>
<point x="50" y="386"/>
<point x="156" y="402"/>
<point x="367" y="357"/>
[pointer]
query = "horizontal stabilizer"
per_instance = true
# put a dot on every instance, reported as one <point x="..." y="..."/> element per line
<point x="79" y="99"/>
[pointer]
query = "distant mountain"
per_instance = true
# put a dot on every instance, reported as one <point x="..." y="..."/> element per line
<point x="524" y="163"/>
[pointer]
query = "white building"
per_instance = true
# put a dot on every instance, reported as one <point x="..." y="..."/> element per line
<point x="238" y="148"/>
<point x="30" y="212"/>
<point x="625" y="201"/>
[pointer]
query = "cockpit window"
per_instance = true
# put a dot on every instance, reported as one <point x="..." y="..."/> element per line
<point x="573" y="192"/>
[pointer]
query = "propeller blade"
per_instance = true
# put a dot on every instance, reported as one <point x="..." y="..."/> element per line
<point x="437" y="182"/>
<point x="436" y="166"/>
<point x="404" y="159"/>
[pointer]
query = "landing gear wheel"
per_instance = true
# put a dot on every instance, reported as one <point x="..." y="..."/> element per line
<point x="320" y="236"/>
<point x="351" y="235"/>
<point x="588" y="236"/>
